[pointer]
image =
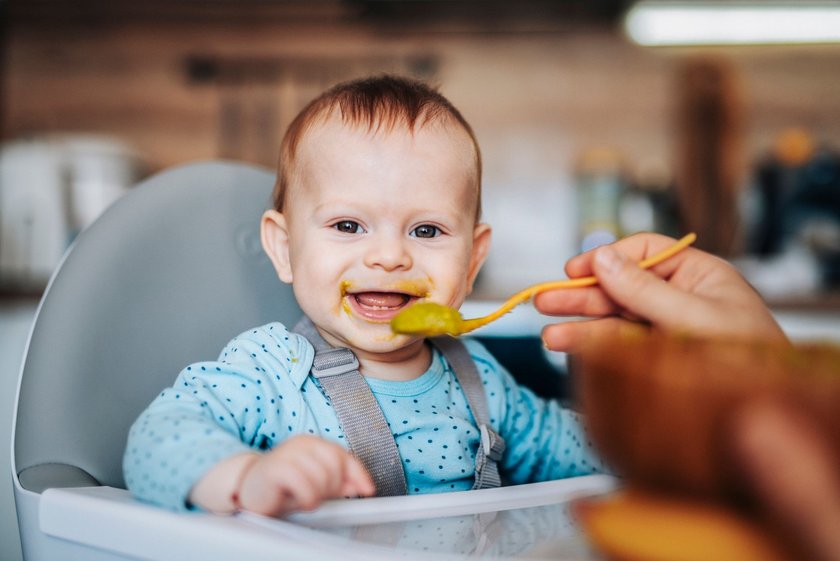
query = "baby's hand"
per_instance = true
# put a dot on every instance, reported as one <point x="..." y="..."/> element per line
<point x="299" y="474"/>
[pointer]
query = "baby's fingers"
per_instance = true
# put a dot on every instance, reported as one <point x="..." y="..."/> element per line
<point x="301" y="490"/>
<point x="270" y="491"/>
<point x="357" y="479"/>
<point x="338" y="473"/>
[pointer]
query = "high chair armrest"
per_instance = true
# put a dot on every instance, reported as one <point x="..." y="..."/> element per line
<point x="44" y="476"/>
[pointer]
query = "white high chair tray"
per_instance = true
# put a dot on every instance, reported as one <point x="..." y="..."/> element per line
<point x="525" y="521"/>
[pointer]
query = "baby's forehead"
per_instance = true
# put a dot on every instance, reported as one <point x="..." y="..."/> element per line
<point x="333" y="144"/>
<point x="336" y="137"/>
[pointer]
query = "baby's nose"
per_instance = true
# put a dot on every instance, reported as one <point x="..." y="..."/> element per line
<point x="389" y="253"/>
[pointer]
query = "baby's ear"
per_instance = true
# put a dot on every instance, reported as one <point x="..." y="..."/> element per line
<point x="482" y="235"/>
<point x="274" y="234"/>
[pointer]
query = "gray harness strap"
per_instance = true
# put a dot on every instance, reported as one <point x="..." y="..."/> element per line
<point x="491" y="445"/>
<point x="368" y="434"/>
<point x="365" y="427"/>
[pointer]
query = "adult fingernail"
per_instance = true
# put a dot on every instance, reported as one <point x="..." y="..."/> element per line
<point x="609" y="259"/>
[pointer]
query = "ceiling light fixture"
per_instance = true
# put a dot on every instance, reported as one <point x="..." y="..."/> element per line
<point x="714" y="22"/>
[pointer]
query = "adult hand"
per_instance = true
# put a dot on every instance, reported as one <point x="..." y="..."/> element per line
<point x="691" y="293"/>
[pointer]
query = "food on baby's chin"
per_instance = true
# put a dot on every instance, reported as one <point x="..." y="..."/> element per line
<point x="635" y="525"/>
<point x="428" y="319"/>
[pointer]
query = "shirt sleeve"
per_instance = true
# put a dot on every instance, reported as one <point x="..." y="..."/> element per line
<point x="214" y="410"/>
<point x="544" y="441"/>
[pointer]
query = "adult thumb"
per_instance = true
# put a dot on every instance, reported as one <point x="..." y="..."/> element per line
<point x="638" y="291"/>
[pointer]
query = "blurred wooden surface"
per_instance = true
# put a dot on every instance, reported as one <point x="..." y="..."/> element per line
<point x="181" y="85"/>
<point x="140" y="77"/>
<point x="710" y="166"/>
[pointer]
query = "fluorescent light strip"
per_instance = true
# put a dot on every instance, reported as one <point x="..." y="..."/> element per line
<point x="673" y="23"/>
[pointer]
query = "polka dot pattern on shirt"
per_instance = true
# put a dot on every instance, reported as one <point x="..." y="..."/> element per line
<point x="259" y="392"/>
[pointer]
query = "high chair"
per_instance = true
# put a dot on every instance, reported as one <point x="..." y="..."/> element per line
<point x="165" y="277"/>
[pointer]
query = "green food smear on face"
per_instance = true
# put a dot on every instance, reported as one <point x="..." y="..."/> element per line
<point x="429" y="319"/>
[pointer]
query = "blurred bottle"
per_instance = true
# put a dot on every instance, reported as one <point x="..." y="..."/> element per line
<point x="778" y="180"/>
<point x="649" y="203"/>
<point x="794" y="212"/>
<point x="600" y="183"/>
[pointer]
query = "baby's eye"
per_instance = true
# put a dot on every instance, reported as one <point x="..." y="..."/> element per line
<point x="426" y="231"/>
<point x="348" y="227"/>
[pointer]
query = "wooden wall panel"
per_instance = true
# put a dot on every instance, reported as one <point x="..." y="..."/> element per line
<point x="182" y="89"/>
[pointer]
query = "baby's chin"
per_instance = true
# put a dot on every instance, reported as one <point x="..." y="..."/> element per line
<point x="367" y="337"/>
<point x="379" y="339"/>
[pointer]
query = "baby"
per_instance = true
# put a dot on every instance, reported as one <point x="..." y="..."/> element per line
<point x="376" y="207"/>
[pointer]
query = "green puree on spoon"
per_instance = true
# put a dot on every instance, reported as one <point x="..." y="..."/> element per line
<point x="430" y="319"/>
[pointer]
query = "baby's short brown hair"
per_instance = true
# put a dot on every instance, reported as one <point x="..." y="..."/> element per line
<point x="376" y="102"/>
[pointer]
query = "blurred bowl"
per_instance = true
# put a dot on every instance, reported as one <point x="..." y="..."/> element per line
<point x="659" y="408"/>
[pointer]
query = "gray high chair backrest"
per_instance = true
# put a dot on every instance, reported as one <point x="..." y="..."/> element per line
<point x="165" y="277"/>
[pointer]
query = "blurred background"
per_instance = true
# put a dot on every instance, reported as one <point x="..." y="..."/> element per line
<point x="586" y="135"/>
<point x="588" y="132"/>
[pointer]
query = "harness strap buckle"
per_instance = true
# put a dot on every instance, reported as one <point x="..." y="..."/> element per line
<point x="491" y="442"/>
<point x="334" y="362"/>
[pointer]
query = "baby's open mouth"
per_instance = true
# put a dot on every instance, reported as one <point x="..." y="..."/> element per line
<point x="379" y="306"/>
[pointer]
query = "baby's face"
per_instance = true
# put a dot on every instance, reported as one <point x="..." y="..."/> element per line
<point x="376" y="221"/>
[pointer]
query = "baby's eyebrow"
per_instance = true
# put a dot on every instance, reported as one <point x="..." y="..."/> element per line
<point x="333" y="206"/>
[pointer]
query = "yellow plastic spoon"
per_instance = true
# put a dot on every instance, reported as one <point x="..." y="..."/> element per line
<point x="430" y="319"/>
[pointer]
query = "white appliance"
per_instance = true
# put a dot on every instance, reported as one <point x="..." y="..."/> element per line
<point x="50" y="189"/>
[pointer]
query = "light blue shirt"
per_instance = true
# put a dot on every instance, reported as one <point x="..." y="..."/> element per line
<point x="259" y="392"/>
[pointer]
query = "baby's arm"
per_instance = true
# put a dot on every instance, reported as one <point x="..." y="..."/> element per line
<point x="548" y="441"/>
<point x="544" y="440"/>
<point x="216" y="416"/>
<point x="300" y="473"/>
